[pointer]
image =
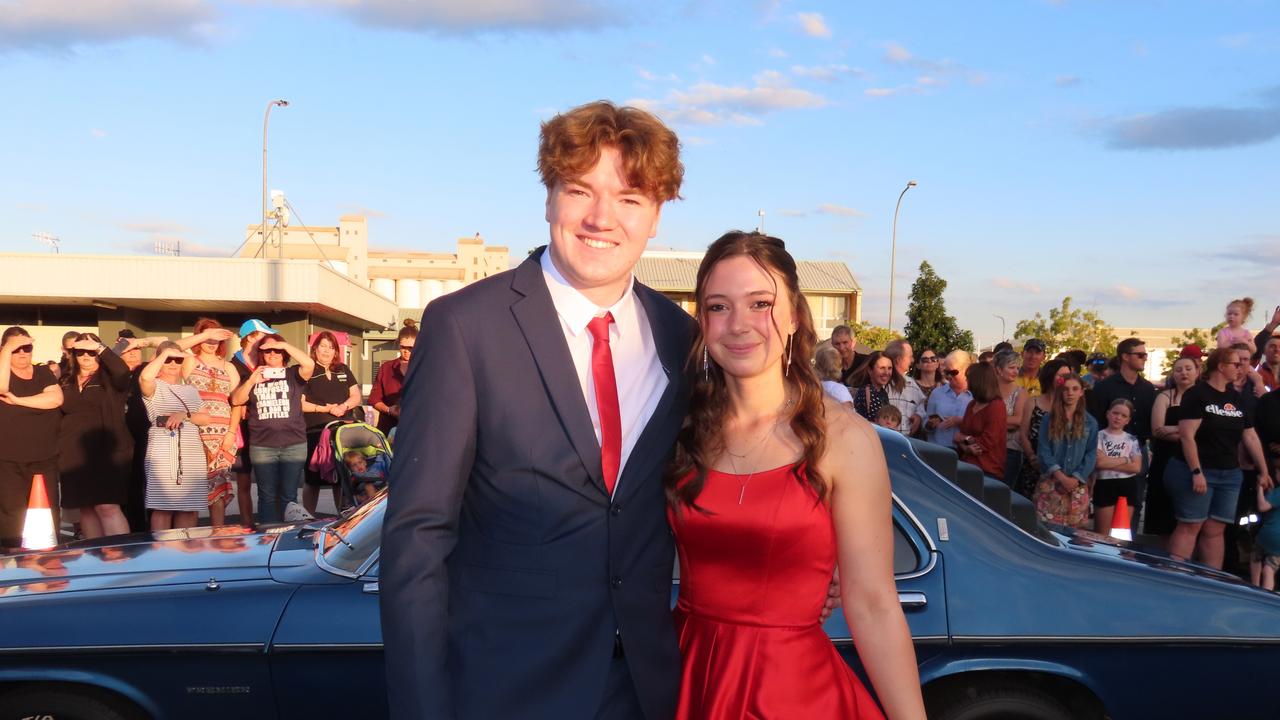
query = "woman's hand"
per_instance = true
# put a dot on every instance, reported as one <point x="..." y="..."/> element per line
<point x="1067" y="483"/>
<point x="271" y="344"/>
<point x="337" y="410"/>
<point x="229" y="440"/>
<point x="1199" y="485"/>
<point x="218" y="334"/>
<point x="93" y="345"/>
<point x="174" y="421"/>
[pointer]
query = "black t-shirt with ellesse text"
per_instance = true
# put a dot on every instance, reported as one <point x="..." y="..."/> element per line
<point x="1223" y="417"/>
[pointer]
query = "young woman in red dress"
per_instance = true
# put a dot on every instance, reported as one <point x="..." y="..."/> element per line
<point x="773" y="486"/>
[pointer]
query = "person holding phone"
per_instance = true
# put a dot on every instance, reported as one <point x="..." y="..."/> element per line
<point x="272" y="396"/>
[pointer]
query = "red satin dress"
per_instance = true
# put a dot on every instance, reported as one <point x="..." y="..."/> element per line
<point x="753" y="580"/>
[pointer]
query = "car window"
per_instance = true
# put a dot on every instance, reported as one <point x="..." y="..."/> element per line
<point x="905" y="557"/>
<point x="362" y="530"/>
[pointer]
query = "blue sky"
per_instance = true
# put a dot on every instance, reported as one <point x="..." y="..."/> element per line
<point x="1124" y="153"/>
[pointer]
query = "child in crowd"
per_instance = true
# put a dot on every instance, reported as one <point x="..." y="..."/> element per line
<point x="889" y="417"/>
<point x="1266" y="545"/>
<point x="1119" y="462"/>
<point x="366" y="477"/>
<point x="1238" y="312"/>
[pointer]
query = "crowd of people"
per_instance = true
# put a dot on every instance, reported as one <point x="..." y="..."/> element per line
<point x="1195" y="454"/>
<point x="130" y="445"/>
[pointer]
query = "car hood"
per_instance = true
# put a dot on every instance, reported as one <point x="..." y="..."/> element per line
<point x="1085" y="541"/>
<point x="162" y="558"/>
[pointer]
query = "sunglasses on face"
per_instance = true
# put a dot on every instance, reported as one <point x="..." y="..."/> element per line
<point x="928" y="359"/>
<point x="82" y="353"/>
<point x="173" y="361"/>
<point x="951" y="373"/>
<point x="276" y="351"/>
<point x="24" y="348"/>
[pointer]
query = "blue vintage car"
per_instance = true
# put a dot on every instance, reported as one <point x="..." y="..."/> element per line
<point x="1011" y="619"/>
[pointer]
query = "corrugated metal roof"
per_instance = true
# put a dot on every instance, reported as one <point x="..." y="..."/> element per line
<point x="677" y="274"/>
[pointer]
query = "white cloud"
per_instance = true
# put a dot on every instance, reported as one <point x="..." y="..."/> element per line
<point x="97" y="133"/>
<point x="813" y="25"/>
<point x="770" y="78"/>
<point x="826" y="73"/>
<point x="840" y="210"/>
<point x="61" y="24"/>
<point x="707" y="59"/>
<point x="792" y="213"/>
<point x="777" y="53"/>
<point x="1127" y="292"/>
<point x="932" y="73"/>
<point x="473" y="16"/>
<point x="896" y="54"/>
<point x="1017" y="285"/>
<point x="707" y="103"/>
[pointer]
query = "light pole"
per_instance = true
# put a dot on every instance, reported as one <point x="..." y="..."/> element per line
<point x="893" y="253"/>
<point x="1003" y="337"/>
<point x="265" y="119"/>
<point x="761" y="228"/>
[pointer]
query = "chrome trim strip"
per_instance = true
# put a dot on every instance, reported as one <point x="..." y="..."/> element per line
<point x="917" y="639"/>
<point x="325" y="647"/>
<point x="324" y="565"/>
<point x="1113" y="639"/>
<point x="932" y="549"/>
<point x="115" y="649"/>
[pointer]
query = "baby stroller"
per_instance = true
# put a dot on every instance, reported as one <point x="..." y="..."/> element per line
<point x="368" y="441"/>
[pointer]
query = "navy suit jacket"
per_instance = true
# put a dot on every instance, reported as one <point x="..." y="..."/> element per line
<point x="506" y="570"/>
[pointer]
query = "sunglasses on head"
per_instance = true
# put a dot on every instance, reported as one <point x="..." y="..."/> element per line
<point x="24" y="348"/>
<point x="173" y="361"/>
<point x="81" y="353"/>
<point x="951" y="373"/>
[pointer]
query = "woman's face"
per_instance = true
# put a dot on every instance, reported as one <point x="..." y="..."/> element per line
<point x="1007" y="373"/>
<point x="745" y="311"/>
<point x="928" y="364"/>
<point x="171" y="370"/>
<point x="87" y="360"/>
<point x="406" y="348"/>
<point x="1185" y="372"/>
<point x="1118" y="417"/>
<point x="325" y="352"/>
<point x="21" y="357"/>
<point x="1229" y="368"/>
<point x="882" y="371"/>
<point x="1071" y="391"/>
<point x="273" y="357"/>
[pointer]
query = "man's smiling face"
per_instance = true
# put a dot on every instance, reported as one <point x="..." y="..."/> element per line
<point x="599" y="227"/>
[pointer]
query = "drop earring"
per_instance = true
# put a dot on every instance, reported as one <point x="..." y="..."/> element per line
<point x="786" y="372"/>
<point x="706" y="365"/>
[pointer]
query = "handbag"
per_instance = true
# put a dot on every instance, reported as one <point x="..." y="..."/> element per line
<point x="1064" y="508"/>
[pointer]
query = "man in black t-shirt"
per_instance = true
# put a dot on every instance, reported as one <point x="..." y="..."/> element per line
<point x="29" y="402"/>
<point x="852" y="363"/>
<point x="1129" y="384"/>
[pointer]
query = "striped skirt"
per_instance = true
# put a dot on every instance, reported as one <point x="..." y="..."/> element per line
<point x="177" y="471"/>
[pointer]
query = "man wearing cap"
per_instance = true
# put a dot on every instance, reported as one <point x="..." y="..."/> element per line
<point x="1029" y="375"/>
<point x="1129" y="384"/>
<point x="1097" y="370"/>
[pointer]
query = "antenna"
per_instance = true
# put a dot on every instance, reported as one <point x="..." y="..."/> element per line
<point x="169" y="247"/>
<point x="47" y="239"/>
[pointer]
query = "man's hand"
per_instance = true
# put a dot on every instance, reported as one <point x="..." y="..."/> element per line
<point x="833" y="597"/>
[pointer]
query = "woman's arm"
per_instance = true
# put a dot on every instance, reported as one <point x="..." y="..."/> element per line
<point x="114" y="369"/>
<point x="1254" y="446"/>
<point x="1024" y="433"/>
<point x="1090" y="453"/>
<point x="1014" y="421"/>
<point x="1159" y="410"/>
<point x="1263" y="505"/>
<point x="306" y="366"/>
<point x="862" y="509"/>
<point x="49" y="399"/>
<point x="1187" y="436"/>
<point x="241" y="394"/>
<point x="1049" y="465"/>
<point x="353" y="400"/>
<point x="147" y="378"/>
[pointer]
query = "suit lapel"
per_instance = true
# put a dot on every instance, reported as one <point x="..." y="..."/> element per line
<point x="672" y="345"/>
<point x="538" y="321"/>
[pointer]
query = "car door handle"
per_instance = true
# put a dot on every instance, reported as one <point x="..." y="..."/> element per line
<point x="912" y="600"/>
<point x="371" y="588"/>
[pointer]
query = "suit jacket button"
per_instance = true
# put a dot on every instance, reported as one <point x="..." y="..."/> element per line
<point x="615" y="582"/>
<point x="616" y="510"/>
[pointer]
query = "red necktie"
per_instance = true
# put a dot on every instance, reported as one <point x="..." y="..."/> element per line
<point x="606" y="400"/>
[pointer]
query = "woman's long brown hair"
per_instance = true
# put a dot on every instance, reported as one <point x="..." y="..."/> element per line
<point x="701" y="439"/>
<point x="1060" y="426"/>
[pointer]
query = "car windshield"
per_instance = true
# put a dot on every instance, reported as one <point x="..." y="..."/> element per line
<point x="362" y="531"/>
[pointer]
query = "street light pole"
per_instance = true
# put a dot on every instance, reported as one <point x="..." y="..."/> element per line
<point x="1003" y="337"/>
<point x="761" y="228"/>
<point x="893" y="253"/>
<point x="265" y="119"/>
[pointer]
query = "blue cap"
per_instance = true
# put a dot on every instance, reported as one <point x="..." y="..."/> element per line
<point x="256" y="325"/>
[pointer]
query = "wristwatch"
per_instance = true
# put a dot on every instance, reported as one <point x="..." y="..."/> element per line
<point x="1195" y="471"/>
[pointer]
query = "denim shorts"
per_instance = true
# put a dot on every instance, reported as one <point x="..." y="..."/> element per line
<point x="1218" y="502"/>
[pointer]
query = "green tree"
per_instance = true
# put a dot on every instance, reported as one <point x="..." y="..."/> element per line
<point x="1069" y="328"/>
<point x="1194" y="336"/>
<point x="928" y="324"/>
<point x="873" y="336"/>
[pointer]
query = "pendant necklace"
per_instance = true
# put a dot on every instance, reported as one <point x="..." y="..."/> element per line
<point x="762" y="442"/>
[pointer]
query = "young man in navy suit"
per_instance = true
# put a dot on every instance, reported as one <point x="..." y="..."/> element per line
<point x="526" y="561"/>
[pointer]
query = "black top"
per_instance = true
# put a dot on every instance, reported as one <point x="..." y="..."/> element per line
<point x="1268" y="423"/>
<point x="853" y="375"/>
<point x="1172" y="415"/>
<point x="1141" y="393"/>
<point x="1223" y="419"/>
<point x="275" y="411"/>
<point x="30" y="435"/>
<point x="335" y="387"/>
<point x="135" y="411"/>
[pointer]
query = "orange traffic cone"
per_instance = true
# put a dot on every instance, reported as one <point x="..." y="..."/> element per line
<point x="1120" y="521"/>
<point x="37" y="531"/>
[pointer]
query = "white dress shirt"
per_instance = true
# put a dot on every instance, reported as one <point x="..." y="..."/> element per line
<point x="641" y="379"/>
